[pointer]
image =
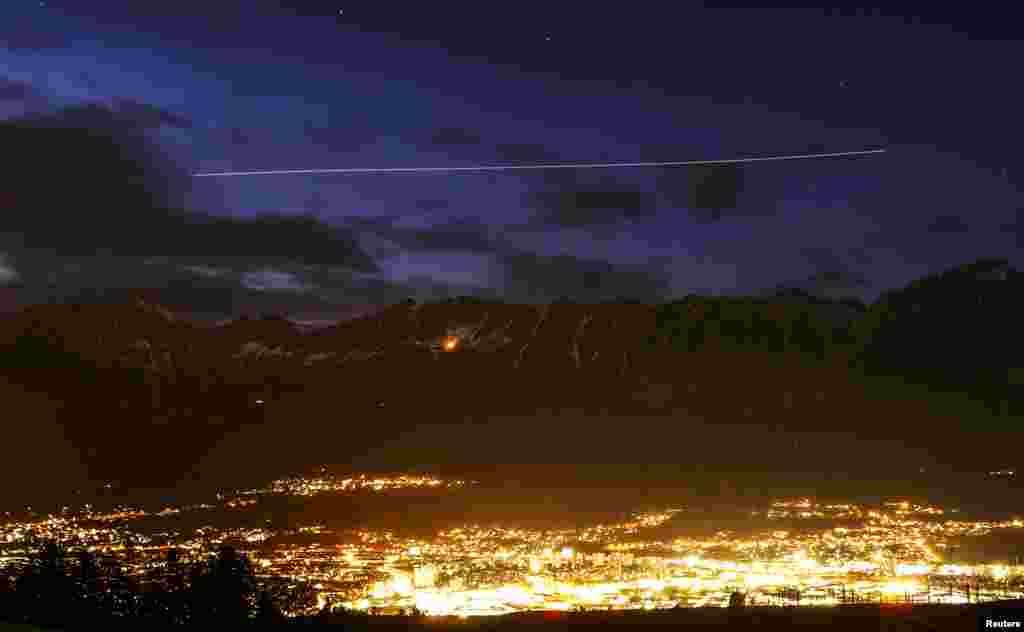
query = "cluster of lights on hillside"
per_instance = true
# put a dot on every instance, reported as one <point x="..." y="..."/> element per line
<point x="894" y="551"/>
<point x="493" y="570"/>
<point x="326" y="484"/>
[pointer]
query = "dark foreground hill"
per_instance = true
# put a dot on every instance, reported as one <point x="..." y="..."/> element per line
<point x="843" y="619"/>
<point x="929" y="376"/>
<point x="846" y="618"/>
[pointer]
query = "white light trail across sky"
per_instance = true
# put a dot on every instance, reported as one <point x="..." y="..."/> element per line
<point x="570" y="165"/>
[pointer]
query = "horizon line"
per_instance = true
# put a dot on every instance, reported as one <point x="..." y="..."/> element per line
<point x="577" y="165"/>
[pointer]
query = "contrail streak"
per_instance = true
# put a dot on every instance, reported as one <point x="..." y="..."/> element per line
<point x="571" y="165"/>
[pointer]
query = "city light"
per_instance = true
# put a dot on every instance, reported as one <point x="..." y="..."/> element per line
<point x="887" y="553"/>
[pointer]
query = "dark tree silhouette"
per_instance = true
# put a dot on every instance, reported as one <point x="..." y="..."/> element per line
<point x="737" y="600"/>
<point x="88" y="577"/>
<point x="266" y="610"/>
<point x="45" y="594"/>
<point x="222" y="591"/>
<point x="168" y="601"/>
<point x="7" y="596"/>
<point x="87" y="568"/>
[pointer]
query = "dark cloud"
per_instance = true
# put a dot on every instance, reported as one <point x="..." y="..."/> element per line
<point x="860" y="256"/>
<point x="430" y="206"/>
<point x="301" y="238"/>
<point x="834" y="284"/>
<point x="884" y="239"/>
<point x="525" y="152"/>
<point x="382" y="250"/>
<point x="341" y="287"/>
<point x="909" y="229"/>
<point x="212" y="287"/>
<point x="824" y="258"/>
<point x="606" y="202"/>
<point x="558" y="178"/>
<point x="713" y="191"/>
<point x="13" y="90"/>
<point x="709" y="192"/>
<point x="466" y="235"/>
<point x="424" y="288"/>
<point x="372" y="222"/>
<point x="239" y="137"/>
<point x="832" y="268"/>
<point x="23" y="95"/>
<point x="313" y="129"/>
<point x="529" y="276"/>
<point x="352" y="136"/>
<point x="948" y="224"/>
<point x="49" y="277"/>
<point x="1015" y="228"/>
<point x="89" y="81"/>
<point x="668" y="152"/>
<point x="28" y="30"/>
<point x="87" y="180"/>
<point x="365" y="290"/>
<point x="460" y="234"/>
<point x="121" y="115"/>
<point x="374" y="237"/>
<point x="455" y="136"/>
<point x="71" y="168"/>
<point x="8" y="273"/>
<point x="149" y="116"/>
<point x="839" y="280"/>
<point x="834" y="277"/>
<point x="272" y="279"/>
<point x="317" y="203"/>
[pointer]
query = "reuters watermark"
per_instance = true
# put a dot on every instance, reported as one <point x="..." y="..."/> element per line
<point x="1001" y="619"/>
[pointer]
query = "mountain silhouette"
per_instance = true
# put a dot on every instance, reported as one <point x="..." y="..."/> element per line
<point x="142" y="393"/>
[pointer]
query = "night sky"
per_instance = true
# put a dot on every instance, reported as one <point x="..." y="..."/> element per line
<point x="231" y="85"/>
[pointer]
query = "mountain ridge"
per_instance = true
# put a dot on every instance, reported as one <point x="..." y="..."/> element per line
<point x="772" y="367"/>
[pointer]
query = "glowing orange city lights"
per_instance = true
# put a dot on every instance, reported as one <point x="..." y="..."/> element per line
<point x="450" y="343"/>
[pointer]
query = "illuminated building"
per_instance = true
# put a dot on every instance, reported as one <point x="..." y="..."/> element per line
<point x="425" y="576"/>
<point x="890" y="552"/>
